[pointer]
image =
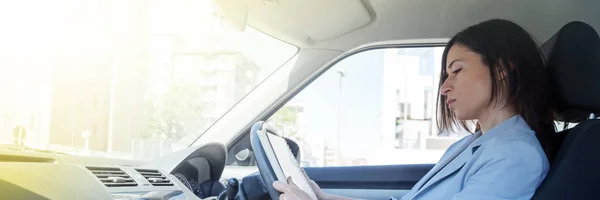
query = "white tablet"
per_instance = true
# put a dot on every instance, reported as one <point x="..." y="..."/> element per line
<point x="283" y="161"/>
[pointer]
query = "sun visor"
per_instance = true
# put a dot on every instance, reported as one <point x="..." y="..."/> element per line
<point x="317" y="20"/>
<point x="234" y="12"/>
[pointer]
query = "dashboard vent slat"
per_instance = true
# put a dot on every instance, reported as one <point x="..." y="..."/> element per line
<point x="110" y="180"/>
<point x="120" y="184"/>
<point x="112" y="176"/>
<point x="155" y="177"/>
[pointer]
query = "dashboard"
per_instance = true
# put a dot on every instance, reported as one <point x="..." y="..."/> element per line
<point x="195" y="176"/>
<point x="192" y="173"/>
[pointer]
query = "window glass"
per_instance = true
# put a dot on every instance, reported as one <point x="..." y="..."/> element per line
<point x="372" y="108"/>
<point x="125" y="79"/>
<point x="560" y="126"/>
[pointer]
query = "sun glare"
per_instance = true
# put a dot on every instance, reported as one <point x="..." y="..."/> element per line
<point x="114" y="78"/>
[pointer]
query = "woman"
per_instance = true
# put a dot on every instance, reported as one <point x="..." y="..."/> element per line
<point x="493" y="75"/>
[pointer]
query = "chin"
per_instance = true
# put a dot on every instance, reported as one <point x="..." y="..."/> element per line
<point x="463" y="116"/>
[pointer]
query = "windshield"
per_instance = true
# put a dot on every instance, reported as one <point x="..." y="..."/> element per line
<point x="131" y="79"/>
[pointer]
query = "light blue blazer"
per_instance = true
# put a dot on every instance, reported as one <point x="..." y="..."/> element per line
<point x="507" y="162"/>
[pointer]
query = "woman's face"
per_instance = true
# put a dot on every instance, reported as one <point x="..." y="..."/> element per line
<point x="468" y="85"/>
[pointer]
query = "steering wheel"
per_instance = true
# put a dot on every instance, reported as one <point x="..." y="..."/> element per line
<point x="262" y="160"/>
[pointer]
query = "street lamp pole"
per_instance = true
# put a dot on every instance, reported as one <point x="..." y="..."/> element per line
<point x="339" y="110"/>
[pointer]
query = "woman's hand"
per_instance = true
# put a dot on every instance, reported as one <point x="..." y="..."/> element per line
<point x="318" y="191"/>
<point x="296" y="193"/>
<point x="290" y="191"/>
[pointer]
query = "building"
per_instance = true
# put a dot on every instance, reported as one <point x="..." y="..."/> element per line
<point x="96" y="87"/>
<point x="25" y="99"/>
<point x="331" y="157"/>
<point x="211" y="82"/>
<point x="414" y="97"/>
<point x="222" y="78"/>
<point x="93" y="82"/>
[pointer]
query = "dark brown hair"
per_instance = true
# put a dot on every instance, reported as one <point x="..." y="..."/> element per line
<point x="506" y="47"/>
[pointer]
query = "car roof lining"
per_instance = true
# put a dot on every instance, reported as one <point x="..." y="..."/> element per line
<point x="408" y="19"/>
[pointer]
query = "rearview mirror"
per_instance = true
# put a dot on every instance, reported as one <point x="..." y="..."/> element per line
<point x="233" y="12"/>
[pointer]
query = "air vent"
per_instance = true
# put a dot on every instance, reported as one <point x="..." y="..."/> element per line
<point x="155" y="177"/>
<point x="112" y="176"/>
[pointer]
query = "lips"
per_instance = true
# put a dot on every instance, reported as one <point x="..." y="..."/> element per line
<point x="450" y="102"/>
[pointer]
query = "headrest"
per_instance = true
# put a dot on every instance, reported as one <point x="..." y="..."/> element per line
<point x="573" y="61"/>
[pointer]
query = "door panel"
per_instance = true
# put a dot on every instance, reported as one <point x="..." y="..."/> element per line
<point x="368" y="182"/>
<point x="367" y="193"/>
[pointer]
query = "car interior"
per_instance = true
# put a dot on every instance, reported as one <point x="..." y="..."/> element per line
<point x="222" y="163"/>
<point x="573" y="58"/>
<point x="572" y="165"/>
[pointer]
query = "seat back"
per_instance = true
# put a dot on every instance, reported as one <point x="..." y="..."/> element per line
<point x="574" y="66"/>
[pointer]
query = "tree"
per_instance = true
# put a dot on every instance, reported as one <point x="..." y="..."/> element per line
<point x="176" y="113"/>
<point x="179" y="112"/>
<point x="285" y="120"/>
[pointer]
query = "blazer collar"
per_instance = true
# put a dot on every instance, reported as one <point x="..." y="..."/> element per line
<point x="498" y="130"/>
<point x="449" y="164"/>
<point x="458" y="157"/>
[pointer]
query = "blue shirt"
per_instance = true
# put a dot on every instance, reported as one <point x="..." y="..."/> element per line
<point x="507" y="162"/>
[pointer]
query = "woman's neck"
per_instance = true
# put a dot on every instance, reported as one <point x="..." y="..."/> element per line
<point x="492" y="118"/>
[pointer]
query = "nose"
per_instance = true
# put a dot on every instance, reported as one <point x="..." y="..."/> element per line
<point x="446" y="88"/>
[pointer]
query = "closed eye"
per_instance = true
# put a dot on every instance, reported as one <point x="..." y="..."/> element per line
<point x="457" y="70"/>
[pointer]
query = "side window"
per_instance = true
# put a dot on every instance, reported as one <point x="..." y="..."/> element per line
<point x="373" y="108"/>
<point x="560" y="126"/>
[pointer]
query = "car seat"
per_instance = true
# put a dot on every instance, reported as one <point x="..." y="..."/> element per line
<point x="573" y="62"/>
